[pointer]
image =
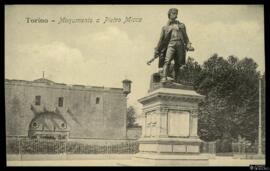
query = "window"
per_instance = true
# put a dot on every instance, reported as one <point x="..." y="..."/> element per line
<point x="37" y="101"/>
<point x="60" y="101"/>
<point x="97" y="100"/>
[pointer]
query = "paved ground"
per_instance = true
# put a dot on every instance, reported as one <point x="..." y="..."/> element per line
<point x="65" y="163"/>
<point x="229" y="161"/>
<point x="217" y="161"/>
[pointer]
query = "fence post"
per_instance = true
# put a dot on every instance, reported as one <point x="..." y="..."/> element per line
<point x="128" y="146"/>
<point x="20" y="153"/>
<point x="233" y="148"/>
<point x="107" y="151"/>
<point x="210" y="146"/>
<point x="215" y="147"/>
<point x="243" y="147"/>
<point x="239" y="149"/>
<point x="246" y="149"/>
<point x="65" y="142"/>
<point x="35" y="146"/>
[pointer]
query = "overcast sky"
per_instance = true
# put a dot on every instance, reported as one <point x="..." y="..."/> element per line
<point x="104" y="54"/>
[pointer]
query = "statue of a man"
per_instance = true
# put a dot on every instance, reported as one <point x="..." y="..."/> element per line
<point x="172" y="46"/>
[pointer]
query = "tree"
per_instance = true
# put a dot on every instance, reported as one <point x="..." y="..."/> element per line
<point x="189" y="73"/>
<point x="230" y="107"/>
<point x="263" y="111"/>
<point x="214" y="115"/>
<point x="230" y="87"/>
<point x="131" y="117"/>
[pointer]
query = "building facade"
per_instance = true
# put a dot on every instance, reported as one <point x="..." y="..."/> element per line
<point x="48" y="109"/>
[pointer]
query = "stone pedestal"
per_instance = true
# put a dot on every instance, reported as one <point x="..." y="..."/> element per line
<point x="169" y="134"/>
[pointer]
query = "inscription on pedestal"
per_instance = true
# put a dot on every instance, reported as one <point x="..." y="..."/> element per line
<point x="178" y="123"/>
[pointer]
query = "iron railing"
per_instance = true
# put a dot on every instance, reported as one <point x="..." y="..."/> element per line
<point x="52" y="146"/>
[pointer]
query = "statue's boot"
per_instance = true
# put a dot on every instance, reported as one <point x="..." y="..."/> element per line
<point x="165" y="72"/>
<point x="176" y="73"/>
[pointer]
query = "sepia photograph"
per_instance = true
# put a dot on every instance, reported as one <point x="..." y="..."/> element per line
<point x="135" y="85"/>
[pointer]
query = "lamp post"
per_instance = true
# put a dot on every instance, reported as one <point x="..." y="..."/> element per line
<point x="126" y="86"/>
<point x="260" y="118"/>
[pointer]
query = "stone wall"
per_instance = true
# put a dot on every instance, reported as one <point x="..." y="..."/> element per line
<point x="85" y="118"/>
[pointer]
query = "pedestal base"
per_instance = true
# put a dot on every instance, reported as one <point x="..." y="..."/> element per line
<point x="170" y="145"/>
<point x="169" y="135"/>
<point x="170" y="152"/>
<point x="156" y="159"/>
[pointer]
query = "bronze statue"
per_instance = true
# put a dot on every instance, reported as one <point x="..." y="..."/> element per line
<point x="172" y="46"/>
